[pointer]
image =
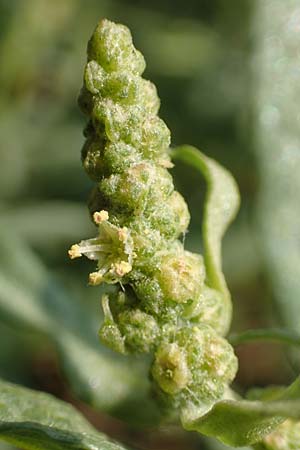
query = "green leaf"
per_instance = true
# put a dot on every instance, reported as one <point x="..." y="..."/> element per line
<point x="38" y="421"/>
<point x="233" y="422"/>
<point x="32" y="300"/>
<point x="221" y="205"/>
<point x="244" y="422"/>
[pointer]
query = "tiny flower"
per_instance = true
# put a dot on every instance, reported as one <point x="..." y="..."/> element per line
<point x="113" y="249"/>
<point x="180" y="275"/>
<point x="139" y="329"/>
<point x="170" y="369"/>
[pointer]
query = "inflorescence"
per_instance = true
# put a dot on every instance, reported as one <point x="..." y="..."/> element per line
<point x="161" y="303"/>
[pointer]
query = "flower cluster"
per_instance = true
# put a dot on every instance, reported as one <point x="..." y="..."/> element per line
<point x="161" y="303"/>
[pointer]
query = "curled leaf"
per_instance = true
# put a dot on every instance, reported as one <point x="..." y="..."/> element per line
<point x="221" y="205"/>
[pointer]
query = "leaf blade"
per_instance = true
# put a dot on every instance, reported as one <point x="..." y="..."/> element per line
<point x="244" y="422"/>
<point x="221" y="206"/>
<point x="37" y="421"/>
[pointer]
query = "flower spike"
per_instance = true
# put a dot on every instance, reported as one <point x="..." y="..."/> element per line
<point x="163" y="304"/>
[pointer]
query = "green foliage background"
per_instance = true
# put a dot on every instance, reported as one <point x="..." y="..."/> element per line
<point x="200" y="55"/>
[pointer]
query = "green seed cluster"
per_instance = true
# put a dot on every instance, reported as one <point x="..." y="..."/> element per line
<point x="160" y="304"/>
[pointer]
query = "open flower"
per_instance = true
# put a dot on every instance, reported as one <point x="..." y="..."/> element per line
<point x="112" y="248"/>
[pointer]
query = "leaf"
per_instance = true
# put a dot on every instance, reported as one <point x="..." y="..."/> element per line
<point x="233" y="422"/>
<point x="244" y="422"/>
<point x="39" y="421"/>
<point x="32" y="300"/>
<point x="221" y="206"/>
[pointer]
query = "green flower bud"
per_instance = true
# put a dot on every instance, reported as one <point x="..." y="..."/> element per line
<point x="211" y="358"/>
<point x="139" y="329"/>
<point x="111" y="46"/>
<point x="170" y="369"/>
<point x="149" y="98"/>
<point x="181" y="275"/>
<point x="119" y="122"/>
<point x="197" y="366"/>
<point x="153" y="139"/>
<point x="94" y="77"/>
<point x="173" y="280"/>
<point x="208" y="308"/>
<point x="123" y="87"/>
<point x="147" y="240"/>
<point x="127" y="329"/>
<point x="170" y="218"/>
<point x="140" y="185"/>
<point x="181" y="213"/>
<point x="119" y="157"/>
<point x="153" y="301"/>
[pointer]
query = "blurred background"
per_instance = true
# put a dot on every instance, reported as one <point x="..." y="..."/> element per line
<point x="203" y="56"/>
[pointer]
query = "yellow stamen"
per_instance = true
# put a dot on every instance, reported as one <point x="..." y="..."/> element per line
<point x="100" y="216"/>
<point x="95" y="278"/>
<point x="123" y="234"/>
<point x="165" y="163"/>
<point x="122" y="268"/>
<point x="74" y="252"/>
